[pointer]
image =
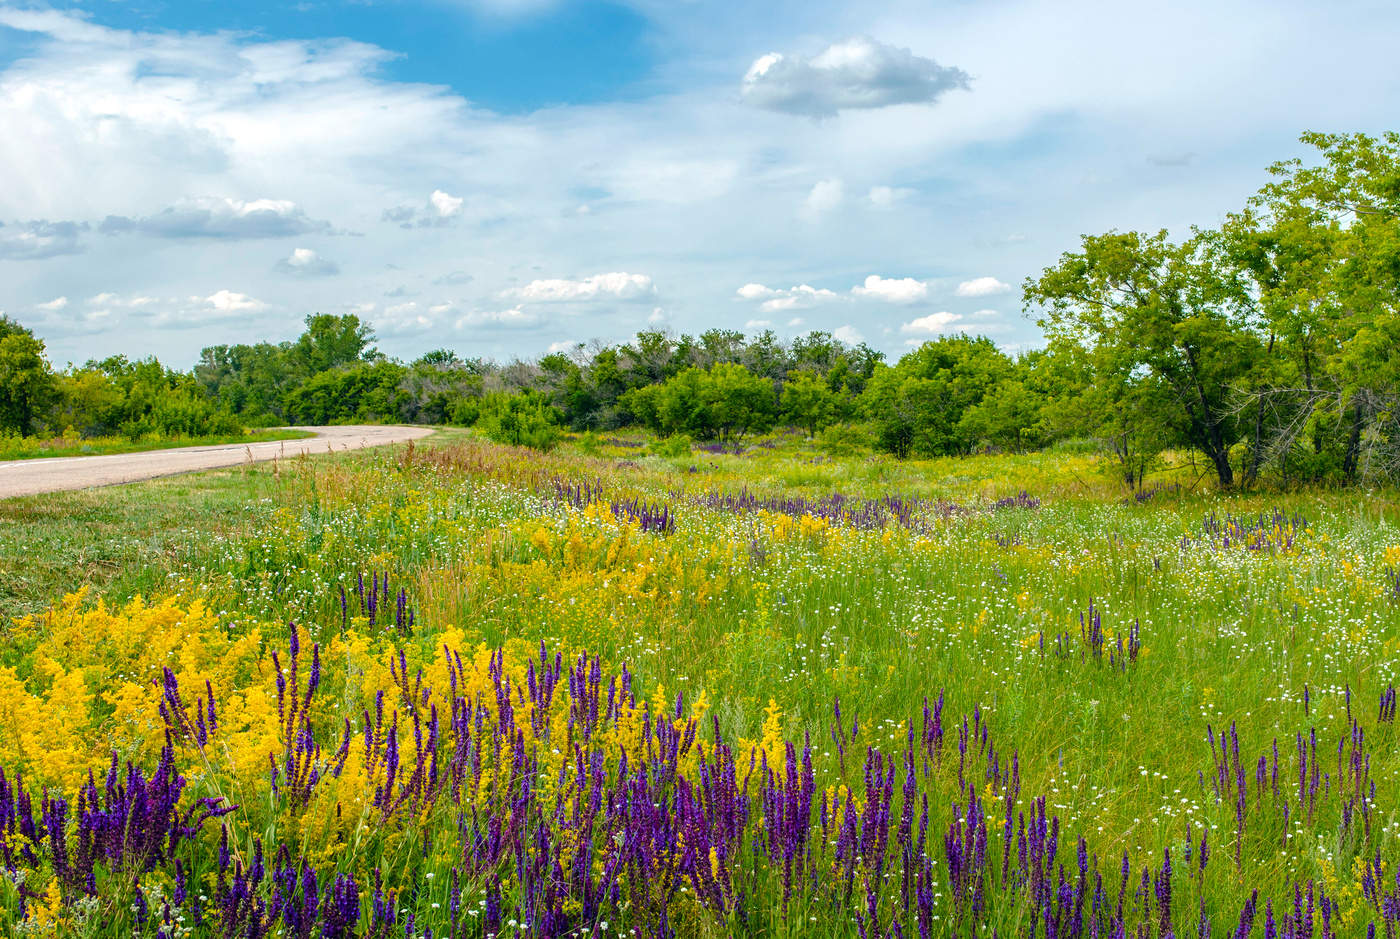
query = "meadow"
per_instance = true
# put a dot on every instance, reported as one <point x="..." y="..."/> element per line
<point x="464" y="689"/>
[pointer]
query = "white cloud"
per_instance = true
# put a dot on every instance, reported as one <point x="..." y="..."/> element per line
<point x="892" y="290"/>
<point x="883" y="197"/>
<point x="615" y="286"/>
<point x="54" y="305"/>
<point x="114" y="309"/>
<point x="826" y="195"/>
<point x="40" y="239"/>
<point x="685" y="179"/>
<point x="135" y="302"/>
<point x="932" y="324"/>
<point x="514" y="317"/>
<point x="658" y="315"/>
<point x="758" y="325"/>
<point x="304" y="262"/>
<point x="848" y="334"/>
<point x="400" y="318"/>
<point x="858" y="73"/>
<point x="445" y="205"/>
<point x="985" y="313"/>
<point x="797" y="321"/>
<point x="227" y="301"/>
<point x="793" y="298"/>
<point x="981" y="287"/>
<point x="219" y="218"/>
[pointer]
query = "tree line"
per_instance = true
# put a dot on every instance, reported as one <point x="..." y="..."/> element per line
<point x="1267" y="345"/>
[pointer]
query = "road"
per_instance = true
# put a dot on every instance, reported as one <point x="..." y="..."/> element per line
<point x="54" y="474"/>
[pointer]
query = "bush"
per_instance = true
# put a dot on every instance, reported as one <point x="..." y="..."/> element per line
<point x="521" y="420"/>
<point x="845" y="439"/>
<point x="671" y="448"/>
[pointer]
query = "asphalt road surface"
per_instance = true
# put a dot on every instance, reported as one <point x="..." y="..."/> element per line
<point x="53" y="474"/>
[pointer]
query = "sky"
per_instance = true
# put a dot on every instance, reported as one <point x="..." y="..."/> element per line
<point x="509" y="177"/>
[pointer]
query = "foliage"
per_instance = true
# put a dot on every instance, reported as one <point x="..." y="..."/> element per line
<point x="524" y="419"/>
<point x="722" y="402"/>
<point x="1165" y="329"/>
<point x="919" y="406"/>
<point x="27" y="386"/>
<point x="808" y="402"/>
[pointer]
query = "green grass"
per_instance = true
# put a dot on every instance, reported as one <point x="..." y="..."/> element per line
<point x="28" y="448"/>
<point x="116" y="540"/>
<point x="983" y="605"/>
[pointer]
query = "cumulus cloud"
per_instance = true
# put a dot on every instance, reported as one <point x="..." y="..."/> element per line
<point x="440" y="209"/>
<point x="848" y="334"/>
<point x="883" y="197"/>
<point x="985" y="313"/>
<point x="981" y="287"/>
<point x="406" y="318"/>
<point x="54" y="305"/>
<point x="826" y="195"/>
<point x="617" y="285"/>
<point x="219" y="218"/>
<point x="932" y="324"/>
<point x="891" y="289"/>
<point x="858" y="73"/>
<point x="758" y="324"/>
<point x="227" y="301"/>
<point x="39" y="239"/>
<point x="173" y="312"/>
<point x="797" y="321"/>
<point x="512" y="318"/>
<point x="446" y="206"/>
<point x="793" y="298"/>
<point x="303" y="262"/>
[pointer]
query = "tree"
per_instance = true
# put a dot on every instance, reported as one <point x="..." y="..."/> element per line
<point x="332" y="341"/>
<point x="524" y="419"/>
<point x="1144" y="311"/>
<point x="724" y="402"/>
<point x="1319" y="244"/>
<point x="807" y="402"/>
<point x="918" y="405"/>
<point x="27" y="383"/>
<point x="367" y="391"/>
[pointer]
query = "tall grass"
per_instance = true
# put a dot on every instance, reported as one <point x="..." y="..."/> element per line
<point x="950" y="649"/>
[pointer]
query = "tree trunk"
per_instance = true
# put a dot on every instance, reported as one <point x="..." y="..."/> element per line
<point x="1352" y="458"/>
<point x="1223" y="471"/>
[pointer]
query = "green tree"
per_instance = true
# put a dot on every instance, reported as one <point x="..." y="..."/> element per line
<point x="1319" y="243"/>
<point x="725" y="401"/>
<point x="807" y="402"/>
<point x="368" y="391"/>
<point x="331" y="341"/>
<point x="524" y="419"/>
<point x="27" y="384"/>
<point x="918" y="404"/>
<point x="1144" y="310"/>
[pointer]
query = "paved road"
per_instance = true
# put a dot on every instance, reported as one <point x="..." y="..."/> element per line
<point x="28" y="477"/>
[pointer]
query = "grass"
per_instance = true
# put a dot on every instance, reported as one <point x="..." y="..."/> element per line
<point x="117" y="541"/>
<point x="1106" y="647"/>
<point x="28" y="448"/>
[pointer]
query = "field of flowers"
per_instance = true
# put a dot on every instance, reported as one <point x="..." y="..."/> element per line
<point x="469" y="690"/>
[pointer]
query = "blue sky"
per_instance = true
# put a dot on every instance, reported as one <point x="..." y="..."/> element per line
<point x="595" y="51"/>
<point x="503" y="177"/>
